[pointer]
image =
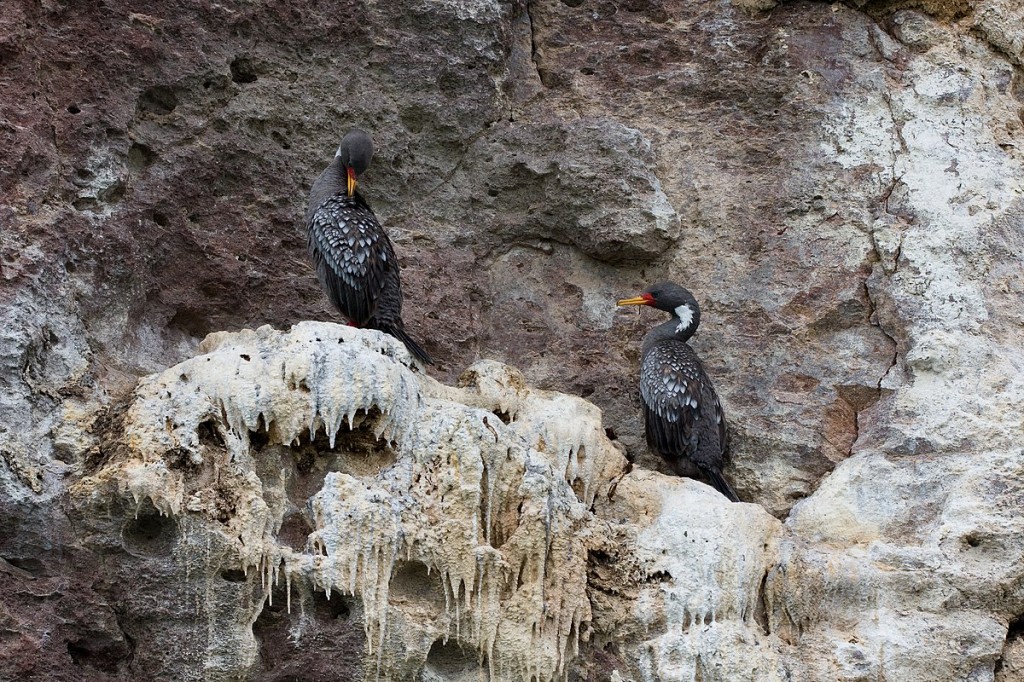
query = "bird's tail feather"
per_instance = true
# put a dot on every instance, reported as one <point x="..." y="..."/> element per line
<point x="413" y="347"/>
<point x="720" y="484"/>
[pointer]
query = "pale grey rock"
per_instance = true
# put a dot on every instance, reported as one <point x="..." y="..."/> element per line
<point x="1011" y="665"/>
<point x="999" y="21"/>
<point x="46" y="381"/>
<point x="701" y="619"/>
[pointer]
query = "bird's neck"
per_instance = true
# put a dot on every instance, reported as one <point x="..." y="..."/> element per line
<point x="670" y="329"/>
<point x="330" y="182"/>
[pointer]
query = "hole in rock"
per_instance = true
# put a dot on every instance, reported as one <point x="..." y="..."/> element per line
<point x="761" y="607"/>
<point x="209" y="435"/>
<point x="100" y="653"/>
<point x="609" y="432"/>
<point x="321" y="639"/>
<point x="191" y="322"/>
<point x="78" y="652"/>
<point x="260" y="438"/>
<point x="243" y="70"/>
<point x="233" y="575"/>
<point x="295" y="530"/>
<point x="149" y="534"/>
<point x="158" y="99"/>
<point x="356" y="452"/>
<point x="1016" y="629"/>
<point x="658" y="577"/>
<point x="451" y="659"/>
<point x="357" y="438"/>
<point x="160" y="219"/>
<point x="74" y="109"/>
<point x="338" y="607"/>
<point x="27" y="564"/>
<point x="281" y="140"/>
<point x="328" y="613"/>
<point x="272" y="614"/>
<point x="140" y="156"/>
<point x="505" y="417"/>
<point x="113" y="194"/>
<point x="412" y="584"/>
<point x="180" y="458"/>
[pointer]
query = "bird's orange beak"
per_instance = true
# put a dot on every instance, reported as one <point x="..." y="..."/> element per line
<point x="642" y="299"/>
<point x="351" y="180"/>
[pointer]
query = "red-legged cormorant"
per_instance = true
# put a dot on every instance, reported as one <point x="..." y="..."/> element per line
<point x="354" y="258"/>
<point x="682" y="415"/>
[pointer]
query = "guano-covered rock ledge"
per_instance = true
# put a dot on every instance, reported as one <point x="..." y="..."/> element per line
<point x="457" y="525"/>
<point x="442" y="530"/>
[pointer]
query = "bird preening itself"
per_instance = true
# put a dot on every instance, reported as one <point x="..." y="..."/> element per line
<point x="355" y="260"/>
<point x="683" y="417"/>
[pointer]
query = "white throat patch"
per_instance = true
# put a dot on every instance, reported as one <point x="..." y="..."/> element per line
<point x="685" y="315"/>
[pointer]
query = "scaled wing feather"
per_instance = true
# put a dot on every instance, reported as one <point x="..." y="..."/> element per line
<point x="353" y="255"/>
<point x="671" y="402"/>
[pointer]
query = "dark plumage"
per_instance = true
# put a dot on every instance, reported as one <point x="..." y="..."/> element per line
<point x="354" y="258"/>
<point x="682" y="414"/>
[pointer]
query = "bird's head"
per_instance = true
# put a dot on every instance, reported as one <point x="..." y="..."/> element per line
<point x="671" y="298"/>
<point x="355" y="153"/>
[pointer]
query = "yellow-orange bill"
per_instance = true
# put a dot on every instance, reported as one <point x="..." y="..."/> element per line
<point x="636" y="300"/>
<point x="351" y="181"/>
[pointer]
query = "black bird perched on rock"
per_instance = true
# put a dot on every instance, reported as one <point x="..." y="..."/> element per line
<point x="354" y="258"/>
<point x="682" y="415"/>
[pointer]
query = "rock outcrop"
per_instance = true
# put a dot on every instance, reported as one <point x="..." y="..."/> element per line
<point x="456" y="525"/>
<point x="315" y="462"/>
<point x="841" y="186"/>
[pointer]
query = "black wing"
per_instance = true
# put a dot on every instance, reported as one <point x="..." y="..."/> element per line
<point x="682" y="413"/>
<point x="353" y="255"/>
<point x="670" y="392"/>
<point x="723" y="428"/>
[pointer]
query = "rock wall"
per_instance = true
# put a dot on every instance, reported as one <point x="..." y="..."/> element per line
<point x="840" y="185"/>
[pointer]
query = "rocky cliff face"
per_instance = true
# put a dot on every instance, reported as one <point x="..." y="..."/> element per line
<point x="840" y="185"/>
